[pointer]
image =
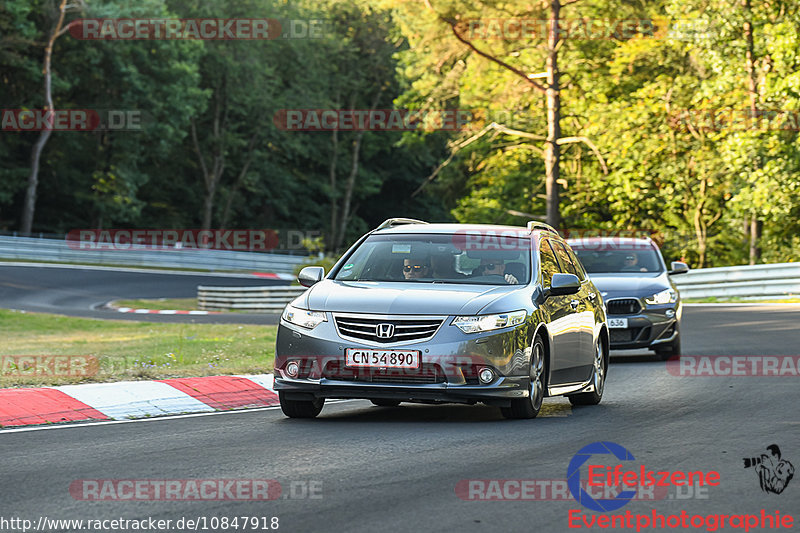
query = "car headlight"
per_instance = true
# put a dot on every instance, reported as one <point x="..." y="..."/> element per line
<point x="303" y="317"/>
<point x="667" y="296"/>
<point x="475" y="324"/>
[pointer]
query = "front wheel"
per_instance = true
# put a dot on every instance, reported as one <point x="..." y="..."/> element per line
<point x="300" y="408"/>
<point x="598" y="380"/>
<point x="529" y="407"/>
<point x="666" y="351"/>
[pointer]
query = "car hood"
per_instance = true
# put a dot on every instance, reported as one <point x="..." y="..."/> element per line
<point x="401" y="298"/>
<point x="629" y="285"/>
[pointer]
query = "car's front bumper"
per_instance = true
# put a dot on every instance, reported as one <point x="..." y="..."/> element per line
<point x="498" y="393"/>
<point x="448" y="371"/>
<point x="649" y="328"/>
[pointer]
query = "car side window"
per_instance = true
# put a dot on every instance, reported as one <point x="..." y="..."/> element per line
<point x="548" y="261"/>
<point x="577" y="263"/>
<point x="563" y="259"/>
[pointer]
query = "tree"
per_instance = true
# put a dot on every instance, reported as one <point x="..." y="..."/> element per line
<point x="33" y="179"/>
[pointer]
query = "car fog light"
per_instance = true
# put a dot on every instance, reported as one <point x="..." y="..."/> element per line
<point x="292" y="369"/>
<point x="670" y="313"/>
<point x="486" y="375"/>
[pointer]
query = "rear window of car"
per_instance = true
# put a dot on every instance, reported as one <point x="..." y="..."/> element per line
<point x="437" y="258"/>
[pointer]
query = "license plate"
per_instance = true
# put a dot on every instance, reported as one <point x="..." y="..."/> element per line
<point x="618" y="322"/>
<point x="356" y="357"/>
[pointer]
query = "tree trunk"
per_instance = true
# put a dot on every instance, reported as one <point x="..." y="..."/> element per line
<point x="351" y="179"/>
<point x="348" y="195"/>
<point x="212" y="176"/>
<point x="29" y="206"/>
<point x="239" y="180"/>
<point x="334" y="196"/>
<point x="552" y="153"/>
<point x="755" y="236"/>
<point x="752" y="87"/>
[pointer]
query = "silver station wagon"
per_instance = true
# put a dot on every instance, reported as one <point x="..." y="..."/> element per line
<point x="437" y="313"/>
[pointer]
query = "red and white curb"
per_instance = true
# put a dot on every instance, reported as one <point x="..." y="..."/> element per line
<point x="134" y="399"/>
<point x="273" y="275"/>
<point x="162" y="311"/>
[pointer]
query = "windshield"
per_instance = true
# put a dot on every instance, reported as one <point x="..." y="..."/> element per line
<point x="416" y="258"/>
<point x="620" y="260"/>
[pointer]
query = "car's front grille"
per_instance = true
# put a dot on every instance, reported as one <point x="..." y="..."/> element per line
<point x="623" y="306"/>
<point x="427" y="373"/>
<point x="391" y="329"/>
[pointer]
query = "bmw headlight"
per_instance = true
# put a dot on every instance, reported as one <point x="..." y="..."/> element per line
<point x="303" y="317"/>
<point x="667" y="296"/>
<point x="476" y="324"/>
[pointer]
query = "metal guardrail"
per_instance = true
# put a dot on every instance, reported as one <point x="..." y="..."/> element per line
<point x="58" y="250"/>
<point x="778" y="280"/>
<point x="255" y="299"/>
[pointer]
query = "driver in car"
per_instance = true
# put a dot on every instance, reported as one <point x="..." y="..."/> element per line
<point x="495" y="267"/>
<point x="415" y="268"/>
<point x="632" y="264"/>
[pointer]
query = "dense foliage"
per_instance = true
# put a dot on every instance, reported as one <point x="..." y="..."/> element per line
<point x="211" y="155"/>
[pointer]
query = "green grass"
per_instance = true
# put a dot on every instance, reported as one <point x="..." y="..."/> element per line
<point x="716" y="300"/>
<point x="134" y="350"/>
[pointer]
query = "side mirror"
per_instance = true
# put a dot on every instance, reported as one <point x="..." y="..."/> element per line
<point x="310" y="275"/>
<point x="563" y="284"/>
<point x="679" y="267"/>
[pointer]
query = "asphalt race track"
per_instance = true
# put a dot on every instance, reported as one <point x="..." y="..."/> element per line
<point x="396" y="469"/>
<point x="82" y="291"/>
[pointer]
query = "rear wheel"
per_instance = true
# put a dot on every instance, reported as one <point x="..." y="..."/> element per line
<point x="529" y="407"/>
<point x="598" y="380"/>
<point x="300" y="408"/>
<point x="385" y="403"/>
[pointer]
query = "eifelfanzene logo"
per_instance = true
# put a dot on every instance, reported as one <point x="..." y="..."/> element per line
<point x="618" y="476"/>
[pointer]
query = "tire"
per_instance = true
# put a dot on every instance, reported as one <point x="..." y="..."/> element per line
<point x="300" y="408"/>
<point x="668" y="350"/>
<point x="380" y="402"/>
<point x="527" y="408"/>
<point x="598" y="378"/>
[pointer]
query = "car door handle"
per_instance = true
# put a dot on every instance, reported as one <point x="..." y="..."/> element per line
<point x="574" y="304"/>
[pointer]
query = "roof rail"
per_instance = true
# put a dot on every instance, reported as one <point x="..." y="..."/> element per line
<point x="389" y="222"/>
<point x="535" y="224"/>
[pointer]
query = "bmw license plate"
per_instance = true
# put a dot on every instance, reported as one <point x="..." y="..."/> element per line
<point x="356" y="357"/>
<point x="618" y="322"/>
